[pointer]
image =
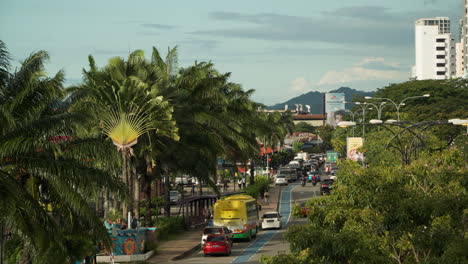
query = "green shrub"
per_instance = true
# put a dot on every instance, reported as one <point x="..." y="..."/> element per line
<point x="262" y="182"/>
<point x="169" y="225"/>
<point x="296" y="210"/>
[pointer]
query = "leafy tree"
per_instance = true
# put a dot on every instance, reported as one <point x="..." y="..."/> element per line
<point x="47" y="171"/>
<point x="304" y="127"/>
<point x="387" y="214"/>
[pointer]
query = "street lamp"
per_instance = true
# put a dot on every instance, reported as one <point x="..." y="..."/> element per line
<point x="397" y="106"/>
<point x="460" y="122"/>
<point x="363" y="106"/>
<point x="352" y="114"/>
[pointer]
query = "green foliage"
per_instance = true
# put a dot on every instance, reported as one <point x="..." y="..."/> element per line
<point x="168" y="226"/>
<point x="326" y="134"/>
<point x="338" y="140"/>
<point x="296" y="210"/>
<point x="262" y="185"/>
<point x="297" y="146"/>
<point x="448" y="99"/>
<point x="304" y="127"/>
<point x="415" y="214"/>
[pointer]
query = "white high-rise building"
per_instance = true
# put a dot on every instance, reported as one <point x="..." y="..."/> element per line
<point x="464" y="38"/>
<point x="435" y="49"/>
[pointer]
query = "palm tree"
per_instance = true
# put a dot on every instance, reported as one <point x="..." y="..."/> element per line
<point x="125" y="100"/>
<point x="46" y="171"/>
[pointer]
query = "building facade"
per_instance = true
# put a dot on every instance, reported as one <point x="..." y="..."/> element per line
<point x="434" y="49"/>
<point x="464" y="38"/>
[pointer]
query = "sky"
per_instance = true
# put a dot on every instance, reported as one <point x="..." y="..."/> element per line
<point x="280" y="48"/>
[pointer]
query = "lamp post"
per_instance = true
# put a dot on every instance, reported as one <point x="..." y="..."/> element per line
<point x="363" y="106"/>
<point x="397" y="106"/>
<point x="379" y="109"/>
<point x="353" y="114"/>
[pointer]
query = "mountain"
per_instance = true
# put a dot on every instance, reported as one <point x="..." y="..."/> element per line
<point x="315" y="99"/>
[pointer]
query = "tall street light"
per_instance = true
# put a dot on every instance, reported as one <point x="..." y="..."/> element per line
<point x="397" y="106"/>
<point x="379" y="109"/>
<point x="363" y="106"/>
<point x="353" y="114"/>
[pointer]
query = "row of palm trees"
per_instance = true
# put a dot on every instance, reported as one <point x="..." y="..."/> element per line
<point x="58" y="145"/>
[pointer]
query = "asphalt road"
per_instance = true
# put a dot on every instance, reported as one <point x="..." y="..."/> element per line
<point x="268" y="242"/>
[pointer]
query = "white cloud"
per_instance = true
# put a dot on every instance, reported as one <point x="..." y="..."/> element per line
<point x="370" y="68"/>
<point x="300" y="85"/>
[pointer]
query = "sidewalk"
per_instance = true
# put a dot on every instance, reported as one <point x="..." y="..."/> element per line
<point x="185" y="244"/>
<point x="189" y="242"/>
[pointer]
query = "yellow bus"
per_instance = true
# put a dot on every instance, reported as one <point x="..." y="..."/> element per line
<point x="239" y="213"/>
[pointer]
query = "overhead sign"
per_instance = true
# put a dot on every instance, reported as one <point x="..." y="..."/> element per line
<point x="352" y="145"/>
<point x="332" y="156"/>
<point x="334" y="101"/>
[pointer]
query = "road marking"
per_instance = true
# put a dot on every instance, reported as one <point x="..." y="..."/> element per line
<point x="285" y="209"/>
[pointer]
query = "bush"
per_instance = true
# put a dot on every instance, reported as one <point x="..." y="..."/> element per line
<point x="296" y="210"/>
<point x="262" y="184"/>
<point x="169" y="225"/>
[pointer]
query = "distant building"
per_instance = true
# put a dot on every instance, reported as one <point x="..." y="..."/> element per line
<point x="459" y="59"/>
<point x="464" y="38"/>
<point x="435" y="49"/>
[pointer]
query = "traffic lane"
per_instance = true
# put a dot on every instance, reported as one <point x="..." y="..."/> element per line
<point x="240" y="248"/>
<point x="237" y="249"/>
<point x="278" y="244"/>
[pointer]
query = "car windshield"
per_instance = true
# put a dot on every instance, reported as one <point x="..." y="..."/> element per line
<point x="209" y="231"/>
<point x="174" y="193"/>
<point x="215" y="239"/>
<point x="280" y="177"/>
<point x="272" y="215"/>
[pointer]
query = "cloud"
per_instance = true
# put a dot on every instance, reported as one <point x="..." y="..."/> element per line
<point x="367" y="25"/>
<point x="372" y="68"/>
<point x="204" y="44"/>
<point x="157" y="26"/>
<point x="300" y="84"/>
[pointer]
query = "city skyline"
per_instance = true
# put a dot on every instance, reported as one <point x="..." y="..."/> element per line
<point x="279" y="49"/>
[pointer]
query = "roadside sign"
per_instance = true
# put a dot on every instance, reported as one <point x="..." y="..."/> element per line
<point x="332" y="156"/>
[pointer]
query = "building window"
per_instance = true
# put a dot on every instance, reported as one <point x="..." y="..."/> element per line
<point x="440" y="56"/>
<point x="440" y="48"/>
<point x="440" y="73"/>
<point x="440" y="64"/>
<point x="440" y="40"/>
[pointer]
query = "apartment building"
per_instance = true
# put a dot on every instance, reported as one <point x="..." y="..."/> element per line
<point x="435" y="49"/>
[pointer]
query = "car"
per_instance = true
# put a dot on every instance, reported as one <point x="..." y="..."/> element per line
<point x="213" y="230"/>
<point x="217" y="244"/>
<point x="183" y="180"/>
<point x="305" y="210"/>
<point x="271" y="220"/>
<point x="175" y="196"/>
<point x="281" y="180"/>
<point x="326" y="186"/>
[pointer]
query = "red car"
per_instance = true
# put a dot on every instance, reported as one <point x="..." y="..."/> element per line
<point x="217" y="244"/>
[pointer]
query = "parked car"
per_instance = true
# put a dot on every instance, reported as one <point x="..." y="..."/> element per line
<point x="175" y="196"/>
<point x="213" y="230"/>
<point x="281" y="180"/>
<point x="271" y="220"/>
<point x="326" y="186"/>
<point x="217" y="244"/>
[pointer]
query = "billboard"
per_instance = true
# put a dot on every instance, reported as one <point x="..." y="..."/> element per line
<point x="334" y="100"/>
<point x="352" y="146"/>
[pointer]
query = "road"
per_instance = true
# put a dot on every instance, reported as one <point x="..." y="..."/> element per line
<point x="268" y="242"/>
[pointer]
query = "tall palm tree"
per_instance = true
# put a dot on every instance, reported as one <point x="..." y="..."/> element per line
<point x="46" y="171"/>
<point x="125" y="100"/>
